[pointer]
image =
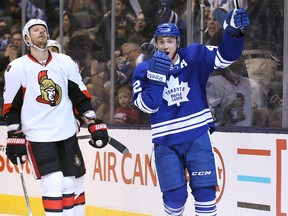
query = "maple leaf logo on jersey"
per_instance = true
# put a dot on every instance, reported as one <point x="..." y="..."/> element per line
<point x="176" y="92"/>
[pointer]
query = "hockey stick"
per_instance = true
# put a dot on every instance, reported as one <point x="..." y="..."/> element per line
<point x="113" y="142"/>
<point x="24" y="187"/>
<point x="236" y="5"/>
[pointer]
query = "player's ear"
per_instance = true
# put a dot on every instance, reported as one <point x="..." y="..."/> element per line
<point x="27" y="39"/>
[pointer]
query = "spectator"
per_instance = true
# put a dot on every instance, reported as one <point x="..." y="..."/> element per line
<point x="229" y="95"/>
<point x="214" y="31"/>
<point x="14" y="11"/>
<point x="261" y="70"/>
<point x="125" y="113"/>
<point x="261" y="117"/>
<point x="132" y="53"/>
<point x="70" y="25"/>
<point x="5" y="40"/>
<point x="126" y="64"/>
<point x="197" y="28"/>
<point x="166" y="15"/>
<point x="140" y="34"/>
<point x="124" y="24"/>
<point x="263" y="52"/>
<point x="276" y="118"/>
<point x="96" y="84"/>
<point x="13" y="50"/>
<point x="79" y="48"/>
<point x="15" y="27"/>
<point x="103" y="111"/>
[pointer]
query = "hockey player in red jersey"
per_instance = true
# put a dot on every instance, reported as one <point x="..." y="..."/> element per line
<point x="42" y="91"/>
<point x="171" y="87"/>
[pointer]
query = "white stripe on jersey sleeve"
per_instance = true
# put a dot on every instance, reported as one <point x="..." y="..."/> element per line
<point x="220" y="62"/>
<point x="142" y="106"/>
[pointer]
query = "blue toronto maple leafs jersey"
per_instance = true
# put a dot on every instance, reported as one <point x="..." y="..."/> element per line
<point x="179" y="111"/>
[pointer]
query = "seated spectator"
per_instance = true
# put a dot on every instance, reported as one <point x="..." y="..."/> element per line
<point x="15" y="12"/>
<point x="5" y="40"/>
<point x="229" y="95"/>
<point x="126" y="64"/>
<point x="197" y="28"/>
<point x="78" y="49"/>
<point x="261" y="69"/>
<point x="125" y="113"/>
<point x="261" y="117"/>
<point x="276" y="118"/>
<point x="103" y="111"/>
<point x="214" y="31"/>
<point x="13" y="50"/>
<point x="165" y="14"/>
<point x="70" y="25"/>
<point x="96" y="84"/>
<point x="89" y="13"/>
<point x="5" y="36"/>
<point x="15" y="27"/>
<point x="124" y="24"/>
<point x="140" y="34"/>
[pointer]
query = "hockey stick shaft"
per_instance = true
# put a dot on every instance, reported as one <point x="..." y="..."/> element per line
<point x="113" y="142"/>
<point x="119" y="146"/>
<point x="24" y="187"/>
<point x="236" y="5"/>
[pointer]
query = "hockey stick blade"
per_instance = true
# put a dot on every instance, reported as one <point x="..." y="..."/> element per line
<point x="24" y="187"/>
<point x="113" y="142"/>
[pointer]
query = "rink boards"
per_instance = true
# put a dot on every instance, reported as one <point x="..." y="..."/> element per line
<point x="252" y="171"/>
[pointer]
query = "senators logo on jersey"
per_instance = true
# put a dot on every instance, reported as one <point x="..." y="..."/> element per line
<point x="51" y="93"/>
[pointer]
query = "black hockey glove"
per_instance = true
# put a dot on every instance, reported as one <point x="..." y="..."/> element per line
<point x="159" y="67"/>
<point x="98" y="131"/>
<point x="16" y="146"/>
<point x="236" y="21"/>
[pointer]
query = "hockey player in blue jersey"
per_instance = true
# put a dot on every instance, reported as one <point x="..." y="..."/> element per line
<point x="171" y="87"/>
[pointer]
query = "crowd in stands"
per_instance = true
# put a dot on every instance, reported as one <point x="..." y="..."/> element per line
<point x="248" y="93"/>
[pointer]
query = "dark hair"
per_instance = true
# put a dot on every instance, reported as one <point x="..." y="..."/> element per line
<point x="74" y="24"/>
